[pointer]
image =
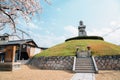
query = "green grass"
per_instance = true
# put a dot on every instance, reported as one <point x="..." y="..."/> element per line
<point x="98" y="47"/>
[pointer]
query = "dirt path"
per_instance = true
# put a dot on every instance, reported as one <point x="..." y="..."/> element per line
<point x="30" y="73"/>
<point x="108" y="75"/>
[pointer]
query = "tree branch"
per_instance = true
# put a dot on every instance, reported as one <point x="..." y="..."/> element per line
<point x="9" y="18"/>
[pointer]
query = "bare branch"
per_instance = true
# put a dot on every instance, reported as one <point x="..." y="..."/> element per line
<point x="9" y="18"/>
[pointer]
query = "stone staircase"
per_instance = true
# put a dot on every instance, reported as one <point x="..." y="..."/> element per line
<point x="84" y="64"/>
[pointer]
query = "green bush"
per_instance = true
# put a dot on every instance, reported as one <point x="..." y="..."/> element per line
<point x="85" y="37"/>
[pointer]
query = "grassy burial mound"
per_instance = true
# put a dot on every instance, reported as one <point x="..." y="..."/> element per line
<point x="85" y="37"/>
<point x="68" y="48"/>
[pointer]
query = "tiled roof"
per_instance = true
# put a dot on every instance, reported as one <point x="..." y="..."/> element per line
<point x="17" y="42"/>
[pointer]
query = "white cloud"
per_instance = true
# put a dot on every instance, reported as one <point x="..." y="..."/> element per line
<point x="71" y="31"/>
<point x="113" y="37"/>
<point x="22" y="24"/>
<point x="99" y="32"/>
<point x="48" y="40"/>
<point x="115" y="23"/>
<point x="108" y="33"/>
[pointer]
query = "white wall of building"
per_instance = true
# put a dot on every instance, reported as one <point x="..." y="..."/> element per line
<point x="37" y="50"/>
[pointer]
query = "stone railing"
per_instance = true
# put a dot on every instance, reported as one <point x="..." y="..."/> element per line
<point x="108" y="62"/>
<point x="53" y="63"/>
<point x="95" y="65"/>
<point x="74" y="63"/>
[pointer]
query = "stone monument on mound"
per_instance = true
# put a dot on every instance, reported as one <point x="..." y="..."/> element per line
<point x="81" y="29"/>
<point x="82" y="34"/>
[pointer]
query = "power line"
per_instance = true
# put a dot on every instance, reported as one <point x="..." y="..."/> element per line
<point x="22" y="32"/>
<point x="111" y="32"/>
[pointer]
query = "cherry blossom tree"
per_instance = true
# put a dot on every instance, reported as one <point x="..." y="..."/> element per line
<point x="10" y="10"/>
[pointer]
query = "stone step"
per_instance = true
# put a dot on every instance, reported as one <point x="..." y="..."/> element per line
<point x="83" y="60"/>
<point x="84" y="71"/>
<point x="84" y="68"/>
<point x="84" y="64"/>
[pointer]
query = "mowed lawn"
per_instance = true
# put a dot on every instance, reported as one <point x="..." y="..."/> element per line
<point x="98" y="48"/>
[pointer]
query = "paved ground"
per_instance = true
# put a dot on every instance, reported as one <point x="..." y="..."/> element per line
<point x="83" y="76"/>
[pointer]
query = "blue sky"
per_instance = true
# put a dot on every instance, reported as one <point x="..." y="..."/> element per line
<point x="60" y="20"/>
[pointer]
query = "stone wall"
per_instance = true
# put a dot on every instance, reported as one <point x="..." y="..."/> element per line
<point x="108" y="62"/>
<point x="66" y="62"/>
<point x="53" y="63"/>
